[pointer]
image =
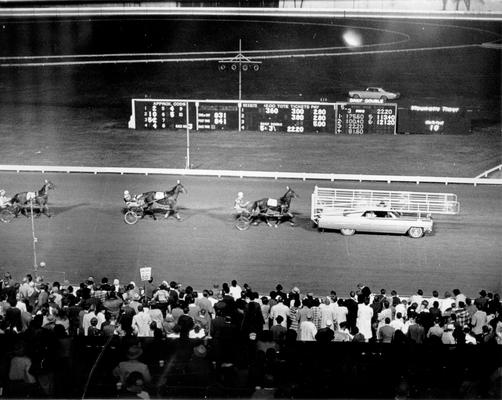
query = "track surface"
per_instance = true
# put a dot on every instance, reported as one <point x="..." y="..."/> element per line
<point x="87" y="236"/>
<point x="77" y="115"/>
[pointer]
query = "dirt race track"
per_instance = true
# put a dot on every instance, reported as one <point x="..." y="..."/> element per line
<point x="87" y="236"/>
<point x="54" y="113"/>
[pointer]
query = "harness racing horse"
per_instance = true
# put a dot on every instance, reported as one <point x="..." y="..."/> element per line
<point x="271" y="208"/>
<point x="21" y="200"/>
<point x="167" y="200"/>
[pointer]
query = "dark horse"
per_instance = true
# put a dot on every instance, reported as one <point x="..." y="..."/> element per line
<point x="167" y="200"/>
<point x="271" y="208"/>
<point x="21" y="201"/>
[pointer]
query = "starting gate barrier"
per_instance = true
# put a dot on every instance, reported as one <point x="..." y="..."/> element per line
<point x="326" y="199"/>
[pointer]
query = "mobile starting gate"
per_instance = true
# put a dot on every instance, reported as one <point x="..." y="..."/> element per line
<point x="325" y="200"/>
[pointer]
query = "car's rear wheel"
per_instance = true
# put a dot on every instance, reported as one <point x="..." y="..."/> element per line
<point x="356" y="96"/>
<point x="383" y="98"/>
<point x="416" y="232"/>
<point x="347" y="231"/>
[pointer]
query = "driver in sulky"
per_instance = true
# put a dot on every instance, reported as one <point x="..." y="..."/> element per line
<point x="4" y="200"/>
<point x="239" y="204"/>
<point x="129" y="199"/>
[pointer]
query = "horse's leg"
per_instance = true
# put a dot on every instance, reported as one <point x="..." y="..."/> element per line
<point x="44" y="209"/>
<point x="267" y="220"/>
<point x="176" y="214"/>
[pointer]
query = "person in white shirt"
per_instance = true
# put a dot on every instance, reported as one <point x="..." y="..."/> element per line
<point x="402" y="307"/>
<point x="327" y="312"/>
<point x="235" y="290"/>
<point x="279" y="309"/>
<point x="86" y="320"/>
<point x="307" y="329"/>
<point x="364" y="315"/>
<point x="341" y="312"/>
<point x="141" y="323"/>
<point x="418" y="297"/>
<point x="20" y="304"/>
<point x="459" y="297"/>
<point x="240" y="206"/>
<point x="4" y="200"/>
<point x="398" y="323"/>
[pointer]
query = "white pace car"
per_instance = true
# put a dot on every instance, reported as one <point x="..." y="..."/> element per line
<point x="375" y="219"/>
<point x="374" y="93"/>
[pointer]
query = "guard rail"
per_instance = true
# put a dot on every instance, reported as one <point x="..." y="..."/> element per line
<point x="250" y="174"/>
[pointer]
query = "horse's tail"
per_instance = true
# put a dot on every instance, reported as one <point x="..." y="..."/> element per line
<point x="15" y="199"/>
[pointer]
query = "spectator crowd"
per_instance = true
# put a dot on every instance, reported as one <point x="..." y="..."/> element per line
<point x="210" y="328"/>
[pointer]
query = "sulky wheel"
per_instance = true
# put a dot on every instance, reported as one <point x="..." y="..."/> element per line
<point x="130" y="217"/>
<point x="242" y="223"/>
<point x="6" y="216"/>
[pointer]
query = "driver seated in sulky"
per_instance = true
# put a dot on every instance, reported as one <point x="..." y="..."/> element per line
<point x="130" y="200"/>
<point x="240" y="205"/>
<point x="4" y="200"/>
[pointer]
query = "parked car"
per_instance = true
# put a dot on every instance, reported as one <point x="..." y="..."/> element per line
<point x="375" y="219"/>
<point x="373" y="93"/>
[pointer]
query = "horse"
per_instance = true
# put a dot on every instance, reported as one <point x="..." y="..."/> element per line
<point x="279" y="209"/>
<point x="40" y="198"/>
<point x="168" y="198"/>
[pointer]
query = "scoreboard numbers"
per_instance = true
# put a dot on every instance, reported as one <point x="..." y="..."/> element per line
<point x="265" y="116"/>
<point x="161" y="114"/>
<point x="360" y="119"/>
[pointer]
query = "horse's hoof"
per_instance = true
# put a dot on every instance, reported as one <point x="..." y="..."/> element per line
<point x="276" y="226"/>
<point x="254" y="223"/>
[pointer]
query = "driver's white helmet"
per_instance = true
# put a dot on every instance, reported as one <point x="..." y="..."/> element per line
<point x="240" y="194"/>
<point x="126" y="192"/>
<point x="2" y="192"/>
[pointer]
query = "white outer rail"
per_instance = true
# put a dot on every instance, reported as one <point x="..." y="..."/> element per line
<point x="486" y="173"/>
<point x="328" y="12"/>
<point x="249" y="174"/>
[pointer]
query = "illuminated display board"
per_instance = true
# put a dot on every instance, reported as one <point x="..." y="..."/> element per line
<point x="160" y="114"/>
<point x="287" y="117"/>
<point x="217" y="116"/>
<point x="262" y="116"/>
<point x="360" y="119"/>
<point x="434" y="120"/>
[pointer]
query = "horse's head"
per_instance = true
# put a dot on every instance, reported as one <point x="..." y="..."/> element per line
<point x="47" y="186"/>
<point x="290" y="194"/>
<point x="180" y="188"/>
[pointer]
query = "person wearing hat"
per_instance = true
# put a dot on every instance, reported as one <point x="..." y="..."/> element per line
<point x="124" y="368"/>
<point x="240" y="206"/>
<point x="326" y="334"/>
<point x="307" y="329"/>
